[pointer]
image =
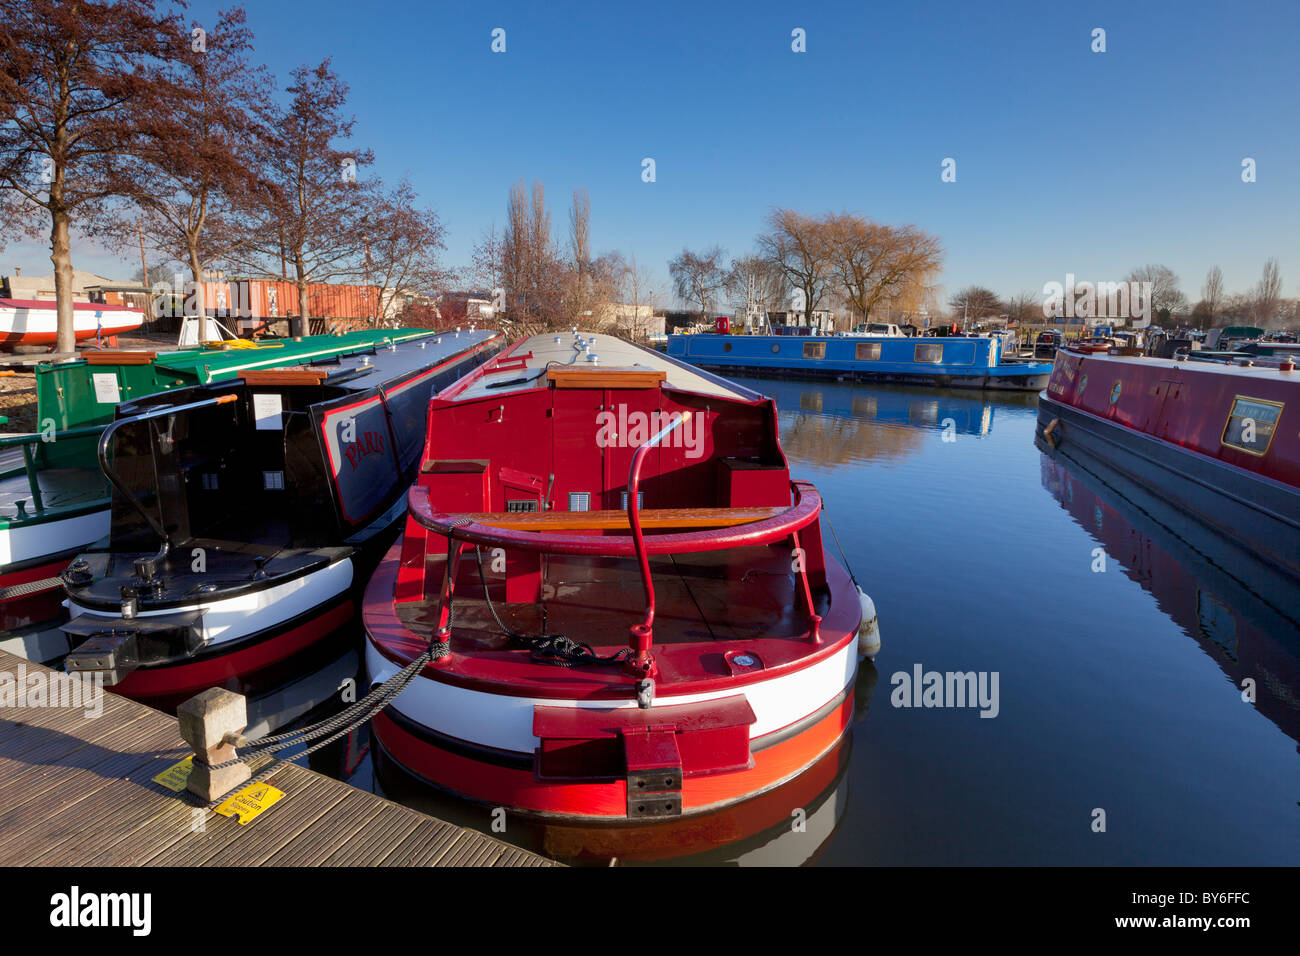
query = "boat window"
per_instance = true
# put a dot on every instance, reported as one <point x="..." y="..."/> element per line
<point x="1115" y="391"/>
<point x="814" y="350"/>
<point x="726" y="346"/>
<point x="928" y="352"/>
<point x="579" y="501"/>
<point x="868" y="352"/>
<point x="521" y="504"/>
<point x="776" y="347"/>
<point x="1251" y="424"/>
<point x="1083" y="383"/>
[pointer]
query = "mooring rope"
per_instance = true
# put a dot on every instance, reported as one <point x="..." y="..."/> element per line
<point x="553" y="649"/>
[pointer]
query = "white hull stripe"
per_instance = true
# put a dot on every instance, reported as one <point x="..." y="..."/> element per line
<point x="238" y="617"/>
<point x="29" y="542"/>
<point x="506" y="723"/>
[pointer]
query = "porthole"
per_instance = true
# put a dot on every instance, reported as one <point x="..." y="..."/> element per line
<point x="1115" y="390"/>
<point x="776" y="347"/>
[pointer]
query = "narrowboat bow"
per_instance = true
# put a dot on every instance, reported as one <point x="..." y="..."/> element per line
<point x="626" y="601"/>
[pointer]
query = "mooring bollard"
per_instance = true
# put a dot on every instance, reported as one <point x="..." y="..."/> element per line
<point x="205" y="720"/>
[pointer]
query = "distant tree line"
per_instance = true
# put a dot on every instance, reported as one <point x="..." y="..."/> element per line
<point x="1261" y="305"/>
<point x="123" y="122"/>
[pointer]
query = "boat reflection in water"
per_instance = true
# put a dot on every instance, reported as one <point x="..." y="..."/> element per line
<point x="1244" y="613"/>
<point x="789" y="825"/>
<point x="837" y="423"/>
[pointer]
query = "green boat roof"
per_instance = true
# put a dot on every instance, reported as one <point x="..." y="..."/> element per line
<point x="212" y="364"/>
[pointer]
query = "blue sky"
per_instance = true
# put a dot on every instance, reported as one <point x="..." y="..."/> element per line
<point x="1067" y="160"/>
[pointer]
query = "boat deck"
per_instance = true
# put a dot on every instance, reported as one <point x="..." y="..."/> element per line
<point x="79" y="790"/>
<point x="62" y="490"/>
<point x="707" y="604"/>
<point x="528" y="360"/>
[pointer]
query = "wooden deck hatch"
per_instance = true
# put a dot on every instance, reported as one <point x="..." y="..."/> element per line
<point x="617" y="520"/>
<point x="284" y="376"/>
<point x="122" y="357"/>
<point x="596" y="377"/>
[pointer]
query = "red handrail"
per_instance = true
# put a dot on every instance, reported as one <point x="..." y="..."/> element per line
<point x="783" y="526"/>
<point x="642" y="635"/>
<point x="805" y="510"/>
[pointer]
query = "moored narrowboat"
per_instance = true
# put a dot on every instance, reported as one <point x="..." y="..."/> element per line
<point x="942" y="361"/>
<point x="1218" y="440"/>
<point x="54" y="500"/>
<point x="618" y="604"/>
<point x="246" y="514"/>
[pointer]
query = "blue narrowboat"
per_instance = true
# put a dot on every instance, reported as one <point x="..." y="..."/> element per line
<point x="943" y="361"/>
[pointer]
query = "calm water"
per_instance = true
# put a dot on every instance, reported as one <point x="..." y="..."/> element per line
<point x="1120" y="691"/>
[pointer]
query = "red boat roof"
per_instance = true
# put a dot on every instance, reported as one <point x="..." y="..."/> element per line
<point x="525" y="365"/>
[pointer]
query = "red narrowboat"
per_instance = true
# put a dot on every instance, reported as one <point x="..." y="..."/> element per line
<point x="1218" y="440"/>
<point x="623" y="605"/>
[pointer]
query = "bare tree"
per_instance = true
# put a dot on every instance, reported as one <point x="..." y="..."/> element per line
<point x="400" y="248"/>
<point x="75" y="80"/>
<point x="310" y="202"/>
<point x="1212" y="293"/>
<point x="1268" y="293"/>
<point x="756" y="282"/>
<point x="975" y="302"/>
<point x="697" y="277"/>
<point x="1166" y="298"/>
<point x="797" y="245"/>
<point x="532" y="273"/>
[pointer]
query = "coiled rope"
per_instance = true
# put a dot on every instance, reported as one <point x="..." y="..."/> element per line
<point x="553" y="649"/>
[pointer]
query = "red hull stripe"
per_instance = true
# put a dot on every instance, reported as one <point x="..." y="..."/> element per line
<point x="520" y="789"/>
<point x="39" y="572"/>
<point x="212" y="671"/>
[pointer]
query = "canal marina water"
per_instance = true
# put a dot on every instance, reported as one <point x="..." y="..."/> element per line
<point x="1116" y="650"/>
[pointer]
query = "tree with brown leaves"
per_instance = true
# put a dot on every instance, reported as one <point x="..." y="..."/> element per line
<point x="799" y="247"/>
<point x="76" y="78"/>
<point x="192" y="168"/>
<point x="875" y="264"/>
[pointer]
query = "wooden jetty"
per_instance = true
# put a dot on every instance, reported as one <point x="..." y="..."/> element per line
<point x="77" y="788"/>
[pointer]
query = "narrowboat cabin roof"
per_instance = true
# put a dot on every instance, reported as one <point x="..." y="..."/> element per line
<point x="1255" y="372"/>
<point x="525" y="366"/>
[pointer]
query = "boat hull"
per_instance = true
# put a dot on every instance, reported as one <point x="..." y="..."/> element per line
<point x="36" y="323"/>
<point x="481" y="742"/>
<point x="1262" y="513"/>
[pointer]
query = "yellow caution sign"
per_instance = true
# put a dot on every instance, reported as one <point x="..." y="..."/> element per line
<point x="249" y="802"/>
<point x="176" y="776"/>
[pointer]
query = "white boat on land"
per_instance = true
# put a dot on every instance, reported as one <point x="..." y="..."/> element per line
<point x="35" y="321"/>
